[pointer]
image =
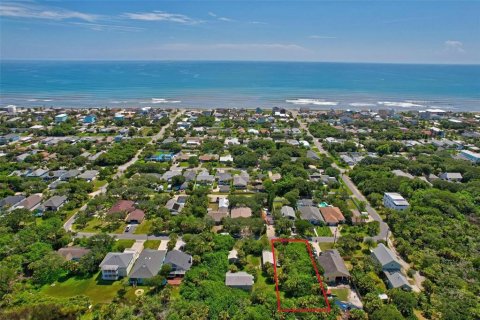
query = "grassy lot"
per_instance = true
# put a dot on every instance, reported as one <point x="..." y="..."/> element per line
<point x="152" y="244"/>
<point x="97" y="184"/>
<point x="99" y="225"/>
<point x="342" y="294"/>
<point x="323" y="231"/>
<point x="325" y="246"/>
<point x="95" y="288"/>
<point x="144" y="227"/>
<point x="183" y="164"/>
<point x="122" y="244"/>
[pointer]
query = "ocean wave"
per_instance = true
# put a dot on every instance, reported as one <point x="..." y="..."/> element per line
<point x="361" y="104"/>
<point x="161" y="100"/>
<point x="317" y="102"/>
<point x="400" y="104"/>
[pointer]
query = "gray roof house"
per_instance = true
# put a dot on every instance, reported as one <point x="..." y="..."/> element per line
<point x="205" y="178"/>
<point x="147" y="266"/>
<point x="451" y="176"/>
<point x="397" y="280"/>
<point x="10" y="201"/>
<point x="180" y="262"/>
<point x="311" y="214"/>
<point x="116" y="265"/>
<point x="288" y="212"/>
<point x="88" y="175"/>
<point x="70" y="174"/>
<point x="386" y="258"/>
<point x="313" y="155"/>
<point x="240" y="182"/>
<point x="54" y="203"/>
<point x="335" y="269"/>
<point x="239" y="280"/>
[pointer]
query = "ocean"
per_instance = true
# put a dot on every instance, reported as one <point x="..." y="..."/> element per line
<point x="239" y="84"/>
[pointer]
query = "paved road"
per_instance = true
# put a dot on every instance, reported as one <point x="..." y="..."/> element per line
<point x="120" y="170"/>
<point x="123" y="236"/>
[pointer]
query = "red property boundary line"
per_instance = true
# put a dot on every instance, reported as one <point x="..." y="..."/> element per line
<point x="279" y="307"/>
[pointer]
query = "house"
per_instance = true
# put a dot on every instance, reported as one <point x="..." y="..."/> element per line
<point x="136" y="216"/>
<point x="335" y="270"/>
<point x="54" y="203"/>
<point x="224" y="178"/>
<point x="11" y="201"/>
<point x="59" y="118"/>
<point x="288" y="212"/>
<point x="332" y="216"/>
<point x="386" y="258"/>
<point x="451" y="176"/>
<point x="38" y="173"/>
<point x="239" y="280"/>
<point x="70" y="174"/>
<point x="174" y="206"/>
<point x="122" y="206"/>
<point x="470" y="156"/>
<point x="118" y="116"/>
<point x="311" y="214"/>
<point x="242" y="212"/>
<point x="88" y="175"/>
<point x="73" y="253"/>
<point x="241" y="181"/>
<point x="233" y="256"/>
<point x="231" y="141"/>
<point x="116" y="265"/>
<point x="304" y="202"/>
<point x="179" y="261"/>
<point x="148" y="265"/>
<point x="397" y="280"/>
<point x="227" y="158"/>
<point x="267" y="256"/>
<point x="218" y="215"/>
<point x="30" y="202"/>
<point x="205" y="178"/>
<point x="89" y="119"/>
<point x="395" y="201"/>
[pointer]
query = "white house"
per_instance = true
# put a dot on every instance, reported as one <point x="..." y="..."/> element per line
<point x="395" y="201"/>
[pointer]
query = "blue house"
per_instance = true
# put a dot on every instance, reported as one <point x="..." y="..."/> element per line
<point x="59" y="118"/>
<point x="11" y="137"/>
<point x="161" y="157"/>
<point x="90" y="119"/>
<point x="119" y="117"/>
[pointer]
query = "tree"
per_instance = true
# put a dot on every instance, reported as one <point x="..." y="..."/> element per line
<point x="404" y="301"/>
<point x="387" y="312"/>
<point x="302" y="226"/>
<point x="178" y="180"/>
<point x="47" y="269"/>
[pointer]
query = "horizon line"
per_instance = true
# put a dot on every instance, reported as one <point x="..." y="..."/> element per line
<point x="238" y="60"/>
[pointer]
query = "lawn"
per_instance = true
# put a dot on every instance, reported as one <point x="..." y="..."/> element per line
<point x="323" y="231"/>
<point x="342" y="294"/>
<point x="97" y="184"/>
<point x="152" y="244"/>
<point x="184" y="164"/>
<point x="98" y="290"/>
<point x="99" y="225"/>
<point x="122" y="244"/>
<point x="144" y="227"/>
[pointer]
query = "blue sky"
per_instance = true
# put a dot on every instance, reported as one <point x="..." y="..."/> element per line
<point x="350" y="31"/>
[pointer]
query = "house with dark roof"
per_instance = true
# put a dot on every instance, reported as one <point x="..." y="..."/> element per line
<point x="11" y="201"/>
<point x="311" y="214"/>
<point x="332" y="216"/>
<point x="73" y="253"/>
<point x="179" y="261"/>
<point x="240" y="181"/>
<point x="116" y="265"/>
<point x="396" y="279"/>
<point x="224" y="178"/>
<point x="54" y="203"/>
<point x="335" y="270"/>
<point x="239" y="280"/>
<point x="148" y="265"/>
<point x="386" y="258"/>
<point x="88" y="175"/>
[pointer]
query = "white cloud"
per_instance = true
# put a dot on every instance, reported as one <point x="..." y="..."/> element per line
<point x="161" y="16"/>
<point x="225" y="19"/>
<point x="27" y="10"/>
<point x="315" y="36"/>
<point x="453" y="46"/>
<point x="214" y="15"/>
<point x="256" y="22"/>
<point x="211" y="14"/>
<point x="106" y="27"/>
